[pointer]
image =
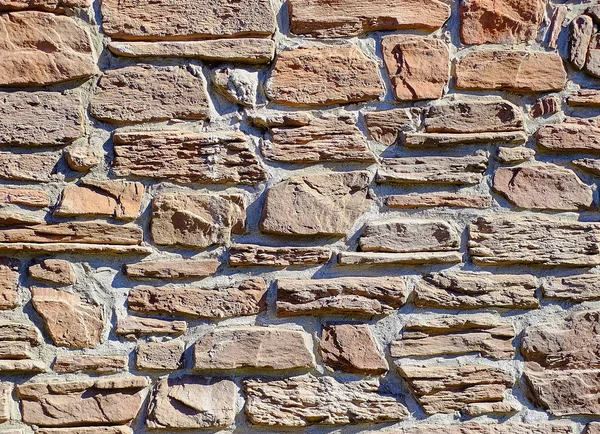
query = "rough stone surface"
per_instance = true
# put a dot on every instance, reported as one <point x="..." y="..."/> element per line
<point x="432" y="200"/>
<point x="308" y="400"/>
<point x="81" y="158"/>
<point x="385" y="126"/>
<point x="159" y="356"/>
<point x="515" y="155"/>
<point x="25" y="197"/>
<point x="558" y="18"/>
<point x="92" y="364"/>
<point x="132" y="327"/>
<point x="544" y="107"/>
<point x="419" y="68"/>
<point x="248" y="255"/>
<point x="584" y="98"/>
<point x="265" y="348"/>
<point x="38" y="167"/>
<point x="14" y="331"/>
<point x="46" y="5"/>
<point x="582" y="287"/>
<point x="9" y="283"/>
<point x="592" y="428"/>
<point x="569" y="137"/>
<point x="416" y="258"/>
<point x="321" y="76"/>
<point x="53" y="271"/>
<point x="592" y="65"/>
<point x="86" y="430"/>
<point x="5" y="400"/>
<point x="489" y="428"/>
<point x="582" y="28"/>
<point x="236" y="85"/>
<point x="172" y="269"/>
<point x="454" y="139"/>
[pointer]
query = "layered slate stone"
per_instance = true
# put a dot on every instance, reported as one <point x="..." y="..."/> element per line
<point x="25" y="197"/>
<point x="40" y="49"/>
<point x="321" y="76"/>
<point x="385" y="126"/>
<point x="14" y="331"/>
<point x="264" y="348"/>
<point x="173" y="20"/>
<point x="454" y="139"/>
<point x="236" y="85"/>
<point x="53" y="271"/>
<point x="15" y="350"/>
<point x="39" y="118"/>
<point x="248" y="255"/>
<point x="105" y="401"/>
<point x="9" y="283"/>
<point x="352" y="296"/>
<point x="569" y="137"/>
<point x="408" y="235"/>
<point x="351" y="348"/>
<point x="414" y="258"/>
<point x="500" y="22"/>
<point x="433" y="170"/>
<point x="433" y="200"/>
<point x="37" y="167"/>
<point x="172" y="269"/>
<point x="582" y="28"/>
<point x="419" y="68"/>
<point x="489" y="428"/>
<point x="81" y="158"/>
<point x="241" y="299"/>
<point x="192" y="402"/>
<point x="467" y="290"/>
<point x="485" y="334"/>
<point x="322" y="204"/>
<point x="532" y="239"/>
<point x="132" y="327"/>
<point x="159" y="356"/>
<point x="66" y="364"/>
<point x="543" y="186"/>
<point x="120" y="200"/>
<point x="70" y="321"/>
<point x="307" y="400"/>
<point x="513" y="70"/>
<point x="185" y="157"/>
<point x="519" y="154"/>
<point x="46" y="5"/>
<point x="592" y="65"/>
<point x="324" y="19"/>
<point x="196" y="220"/>
<point x="584" y="98"/>
<point x="165" y="92"/>
<point x="580" y="287"/>
<point x="448" y="388"/>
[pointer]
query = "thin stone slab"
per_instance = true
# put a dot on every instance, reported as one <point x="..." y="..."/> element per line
<point x="453" y="139"/>
<point x="172" y="269"/>
<point x="578" y="288"/>
<point x="248" y="255"/>
<point x="132" y="327"/>
<point x="569" y="137"/>
<point x="416" y="258"/>
<point x="434" y="200"/>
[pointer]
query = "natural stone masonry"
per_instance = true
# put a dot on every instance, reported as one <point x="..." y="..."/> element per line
<point x="581" y="287"/>
<point x="172" y="269"/>
<point x="53" y="271"/>
<point x="449" y="139"/>
<point x="159" y="356"/>
<point x="132" y="327"/>
<point x="490" y="428"/>
<point x="247" y="255"/>
<point x="93" y="364"/>
<point x="9" y="283"/>
<point x="38" y="167"/>
<point x="569" y="136"/>
<point x="385" y="126"/>
<point x="49" y="5"/>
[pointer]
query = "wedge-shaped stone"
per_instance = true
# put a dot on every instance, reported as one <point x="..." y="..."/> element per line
<point x="192" y="403"/>
<point x="263" y="348"/>
<point x="39" y="118"/>
<point x="242" y="299"/>
<point x="516" y="71"/>
<point x="70" y="321"/>
<point x="24" y="196"/>
<point x="500" y="21"/>
<point x="64" y="364"/>
<point x="38" y="167"/>
<point x="419" y="68"/>
<point x="473" y="116"/>
<point x="321" y="76"/>
<point x="248" y="255"/>
<point x="571" y="345"/>
<point x="14" y="331"/>
<point x="196" y="220"/>
<point x="40" y="49"/>
<point x="46" y="5"/>
<point x="432" y="200"/>
<point x="325" y="204"/>
<point x="165" y="92"/>
<point x="132" y="327"/>
<point x="543" y="186"/>
<point x="564" y="392"/>
<point x="173" y="20"/>
<point x="307" y="400"/>
<point x="489" y="428"/>
<point x="433" y="170"/>
<point x="453" y="335"/>
<point x="324" y="19"/>
<point x="117" y="199"/>
<point x="466" y="290"/>
<point x="385" y="126"/>
<point x="585" y="98"/>
<point x="446" y="388"/>
<point x="159" y="356"/>
<point x="9" y="283"/>
<point x="582" y="287"/>
<point x="569" y="137"/>
<point x="53" y="271"/>
<point x="415" y="258"/>
<point x="533" y="239"/>
<point x="186" y="157"/>
<point x="106" y="401"/>
<point x="172" y="269"/>
<point x="454" y="139"/>
<point x="351" y="348"/>
<point x="352" y="296"/>
<point x="408" y="235"/>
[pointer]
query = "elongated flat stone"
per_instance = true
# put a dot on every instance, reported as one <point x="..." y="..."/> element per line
<point x="14" y="331"/>
<point x="37" y="167"/>
<point x="24" y="196"/>
<point x="588" y="165"/>
<point x="46" y="5"/>
<point x="131" y="327"/>
<point x="433" y="200"/>
<point x="22" y="366"/>
<point x="569" y="137"/>
<point x="592" y="64"/>
<point x="54" y="271"/>
<point x="585" y="98"/>
<point x="453" y="139"/>
<point x="172" y="269"/>
<point x="159" y="356"/>
<point x="85" y="363"/>
<point x="518" y="154"/>
<point x="247" y="255"/>
<point x="489" y="428"/>
<point x="5" y="401"/>
<point x="79" y="248"/>
<point x="582" y="28"/>
<point x="580" y="287"/>
<point x="415" y="258"/>
<point x="86" y="430"/>
<point x="556" y="24"/>
<point x="15" y="350"/>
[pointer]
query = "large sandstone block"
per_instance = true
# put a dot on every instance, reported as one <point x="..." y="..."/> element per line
<point x="248" y="255"/>
<point x="9" y="283"/>
<point x="308" y="400"/>
<point x="326" y="19"/>
<point x="581" y="287"/>
<point x="186" y="157"/>
<point x="325" y="204"/>
<point x="175" y="20"/>
<point x="39" y="49"/>
<point x="321" y="76"/>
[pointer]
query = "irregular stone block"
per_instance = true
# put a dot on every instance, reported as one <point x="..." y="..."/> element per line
<point x="173" y="20"/>
<point x="450" y="139"/>
<point x="434" y="200"/>
<point x="308" y="400"/>
<point x="453" y="335"/>
<point x="38" y="167"/>
<point x="592" y="428"/>
<point x="416" y="258"/>
<point x="352" y="296"/>
<point x="321" y="76"/>
<point x="41" y="49"/>
<point x="24" y="196"/>
<point x="196" y="220"/>
<point x="9" y="283"/>
<point x="247" y="255"/>
<point x="585" y="98"/>
<point x="325" y="204"/>
<point x="81" y="158"/>
<point x="243" y="299"/>
<point x="569" y="137"/>
<point x="186" y="157"/>
<point x="516" y="71"/>
<point x="583" y="287"/>
<point x="70" y="321"/>
<point x="543" y="186"/>
<point x="385" y="126"/>
<point x="556" y="22"/>
<point x="165" y="92"/>
<point x="79" y="248"/>
<point x="264" y="348"/>
<point x="419" y="68"/>
<point x="582" y="28"/>
<point x="544" y="107"/>
<point x="192" y="403"/>
<point x="592" y="65"/>
<point x="502" y="240"/>
<point x="489" y="428"/>
<point x="407" y="235"/>
<point x="46" y="5"/>
<point x="22" y="367"/>
<point x="86" y="363"/>
<point x="236" y="85"/>
<point x="132" y="327"/>
<point x="351" y="348"/>
<point x="515" y="155"/>
<point x="159" y="356"/>
<point x="54" y="271"/>
<point x="465" y="290"/>
<point x="433" y="170"/>
<point x="323" y="19"/>
<point x="446" y="389"/>
<point x="172" y="269"/>
<point x="13" y="331"/>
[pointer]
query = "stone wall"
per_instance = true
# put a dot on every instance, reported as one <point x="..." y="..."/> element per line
<point x="311" y="216"/>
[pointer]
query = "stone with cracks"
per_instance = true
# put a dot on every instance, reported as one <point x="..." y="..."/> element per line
<point x="248" y="255"/>
<point x="580" y="287"/>
<point x="81" y="158"/>
<point x="456" y="139"/>
<point x="14" y="331"/>
<point x="585" y="98"/>
<point x="25" y="197"/>
<point x="9" y="283"/>
<point x="385" y="126"/>
<point x="416" y="258"/>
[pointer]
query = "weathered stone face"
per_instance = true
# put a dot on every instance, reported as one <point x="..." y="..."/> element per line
<point x="131" y="327"/>
<point x="580" y="287"/>
<point x="569" y="137"/>
<point x="92" y="364"/>
<point x="247" y="255"/>
<point x="9" y="283"/>
<point x="46" y="5"/>
<point x="53" y="271"/>
<point x="159" y="356"/>
<point x="385" y="126"/>
<point x="172" y="269"/>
